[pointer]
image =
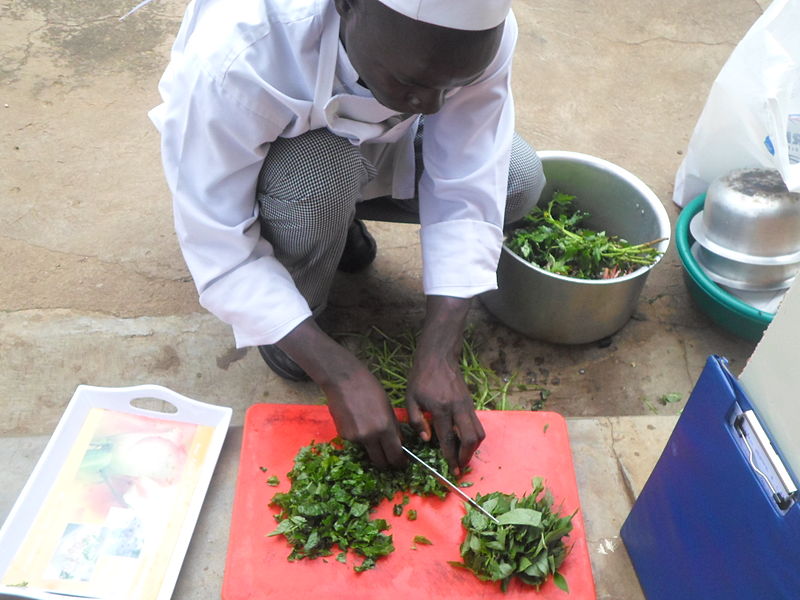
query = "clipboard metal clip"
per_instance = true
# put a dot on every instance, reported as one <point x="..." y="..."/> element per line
<point x="763" y="459"/>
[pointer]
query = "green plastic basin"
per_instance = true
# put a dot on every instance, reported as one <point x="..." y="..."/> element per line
<point x="726" y="310"/>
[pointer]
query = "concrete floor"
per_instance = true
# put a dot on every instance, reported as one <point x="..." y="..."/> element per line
<point x="95" y="290"/>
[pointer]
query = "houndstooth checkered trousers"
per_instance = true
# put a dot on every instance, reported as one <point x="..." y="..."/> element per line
<point x="307" y="192"/>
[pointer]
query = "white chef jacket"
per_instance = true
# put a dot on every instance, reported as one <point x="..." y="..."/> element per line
<point x="244" y="73"/>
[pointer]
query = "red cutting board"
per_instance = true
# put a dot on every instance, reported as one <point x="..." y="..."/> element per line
<point x="519" y="445"/>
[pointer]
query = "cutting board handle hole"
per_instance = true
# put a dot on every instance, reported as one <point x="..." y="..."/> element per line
<point x="154" y="405"/>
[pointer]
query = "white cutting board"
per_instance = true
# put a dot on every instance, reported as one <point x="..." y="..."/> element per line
<point x="771" y="379"/>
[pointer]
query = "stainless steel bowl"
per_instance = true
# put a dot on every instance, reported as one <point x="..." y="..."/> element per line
<point x="750" y="214"/>
<point x="565" y="310"/>
<point x="744" y="276"/>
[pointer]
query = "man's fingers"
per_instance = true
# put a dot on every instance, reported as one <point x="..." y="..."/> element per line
<point x="375" y="452"/>
<point x="448" y="440"/>
<point x="470" y="434"/>
<point x="393" y="451"/>
<point x="385" y="448"/>
<point x="417" y="420"/>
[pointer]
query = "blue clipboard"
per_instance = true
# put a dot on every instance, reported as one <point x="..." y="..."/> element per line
<point x="713" y="522"/>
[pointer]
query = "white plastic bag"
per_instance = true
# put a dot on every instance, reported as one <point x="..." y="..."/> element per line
<point x="752" y="114"/>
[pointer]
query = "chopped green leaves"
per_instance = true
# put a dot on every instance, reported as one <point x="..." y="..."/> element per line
<point x="527" y="543"/>
<point x="334" y="490"/>
<point x="421" y="539"/>
<point x="273" y="481"/>
<point x="552" y="239"/>
<point x="671" y="398"/>
<point x="663" y="400"/>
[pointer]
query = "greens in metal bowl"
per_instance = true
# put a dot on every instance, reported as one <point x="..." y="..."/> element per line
<point x="553" y="239"/>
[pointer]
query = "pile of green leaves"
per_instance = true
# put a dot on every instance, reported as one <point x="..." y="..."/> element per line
<point x="335" y="489"/>
<point x="527" y="543"/>
<point x="390" y="359"/>
<point x="552" y="239"/>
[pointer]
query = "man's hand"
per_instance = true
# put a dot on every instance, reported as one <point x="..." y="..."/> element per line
<point x="356" y="400"/>
<point x="362" y="413"/>
<point x="436" y="384"/>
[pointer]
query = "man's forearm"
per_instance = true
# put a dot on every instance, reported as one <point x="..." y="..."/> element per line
<point x="356" y="400"/>
<point x="437" y="385"/>
<point x="443" y="329"/>
<point x="320" y="356"/>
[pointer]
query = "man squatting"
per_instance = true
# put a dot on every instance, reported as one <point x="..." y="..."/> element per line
<point x="280" y="116"/>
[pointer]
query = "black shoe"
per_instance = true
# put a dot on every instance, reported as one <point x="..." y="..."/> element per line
<point x="359" y="249"/>
<point x="282" y="364"/>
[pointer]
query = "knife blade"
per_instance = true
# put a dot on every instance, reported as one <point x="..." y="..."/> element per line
<point x="449" y="483"/>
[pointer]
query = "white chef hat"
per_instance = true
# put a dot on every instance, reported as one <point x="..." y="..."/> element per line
<point x="470" y="15"/>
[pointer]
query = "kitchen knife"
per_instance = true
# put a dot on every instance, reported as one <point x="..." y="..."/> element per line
<point x="449" y="483"/>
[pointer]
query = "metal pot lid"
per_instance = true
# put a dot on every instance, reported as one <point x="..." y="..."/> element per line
<point x="737" y="284"/>
<point x="756" y="183"/>
<point x="698" y="233"/>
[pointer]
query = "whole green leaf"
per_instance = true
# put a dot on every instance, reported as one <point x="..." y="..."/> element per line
<point x="478" y="520"/>
<point x="560" y="582"/>
<point x="311" y="541"/>
<point x="521" y="516"/>
<point x="504" y="570"/>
